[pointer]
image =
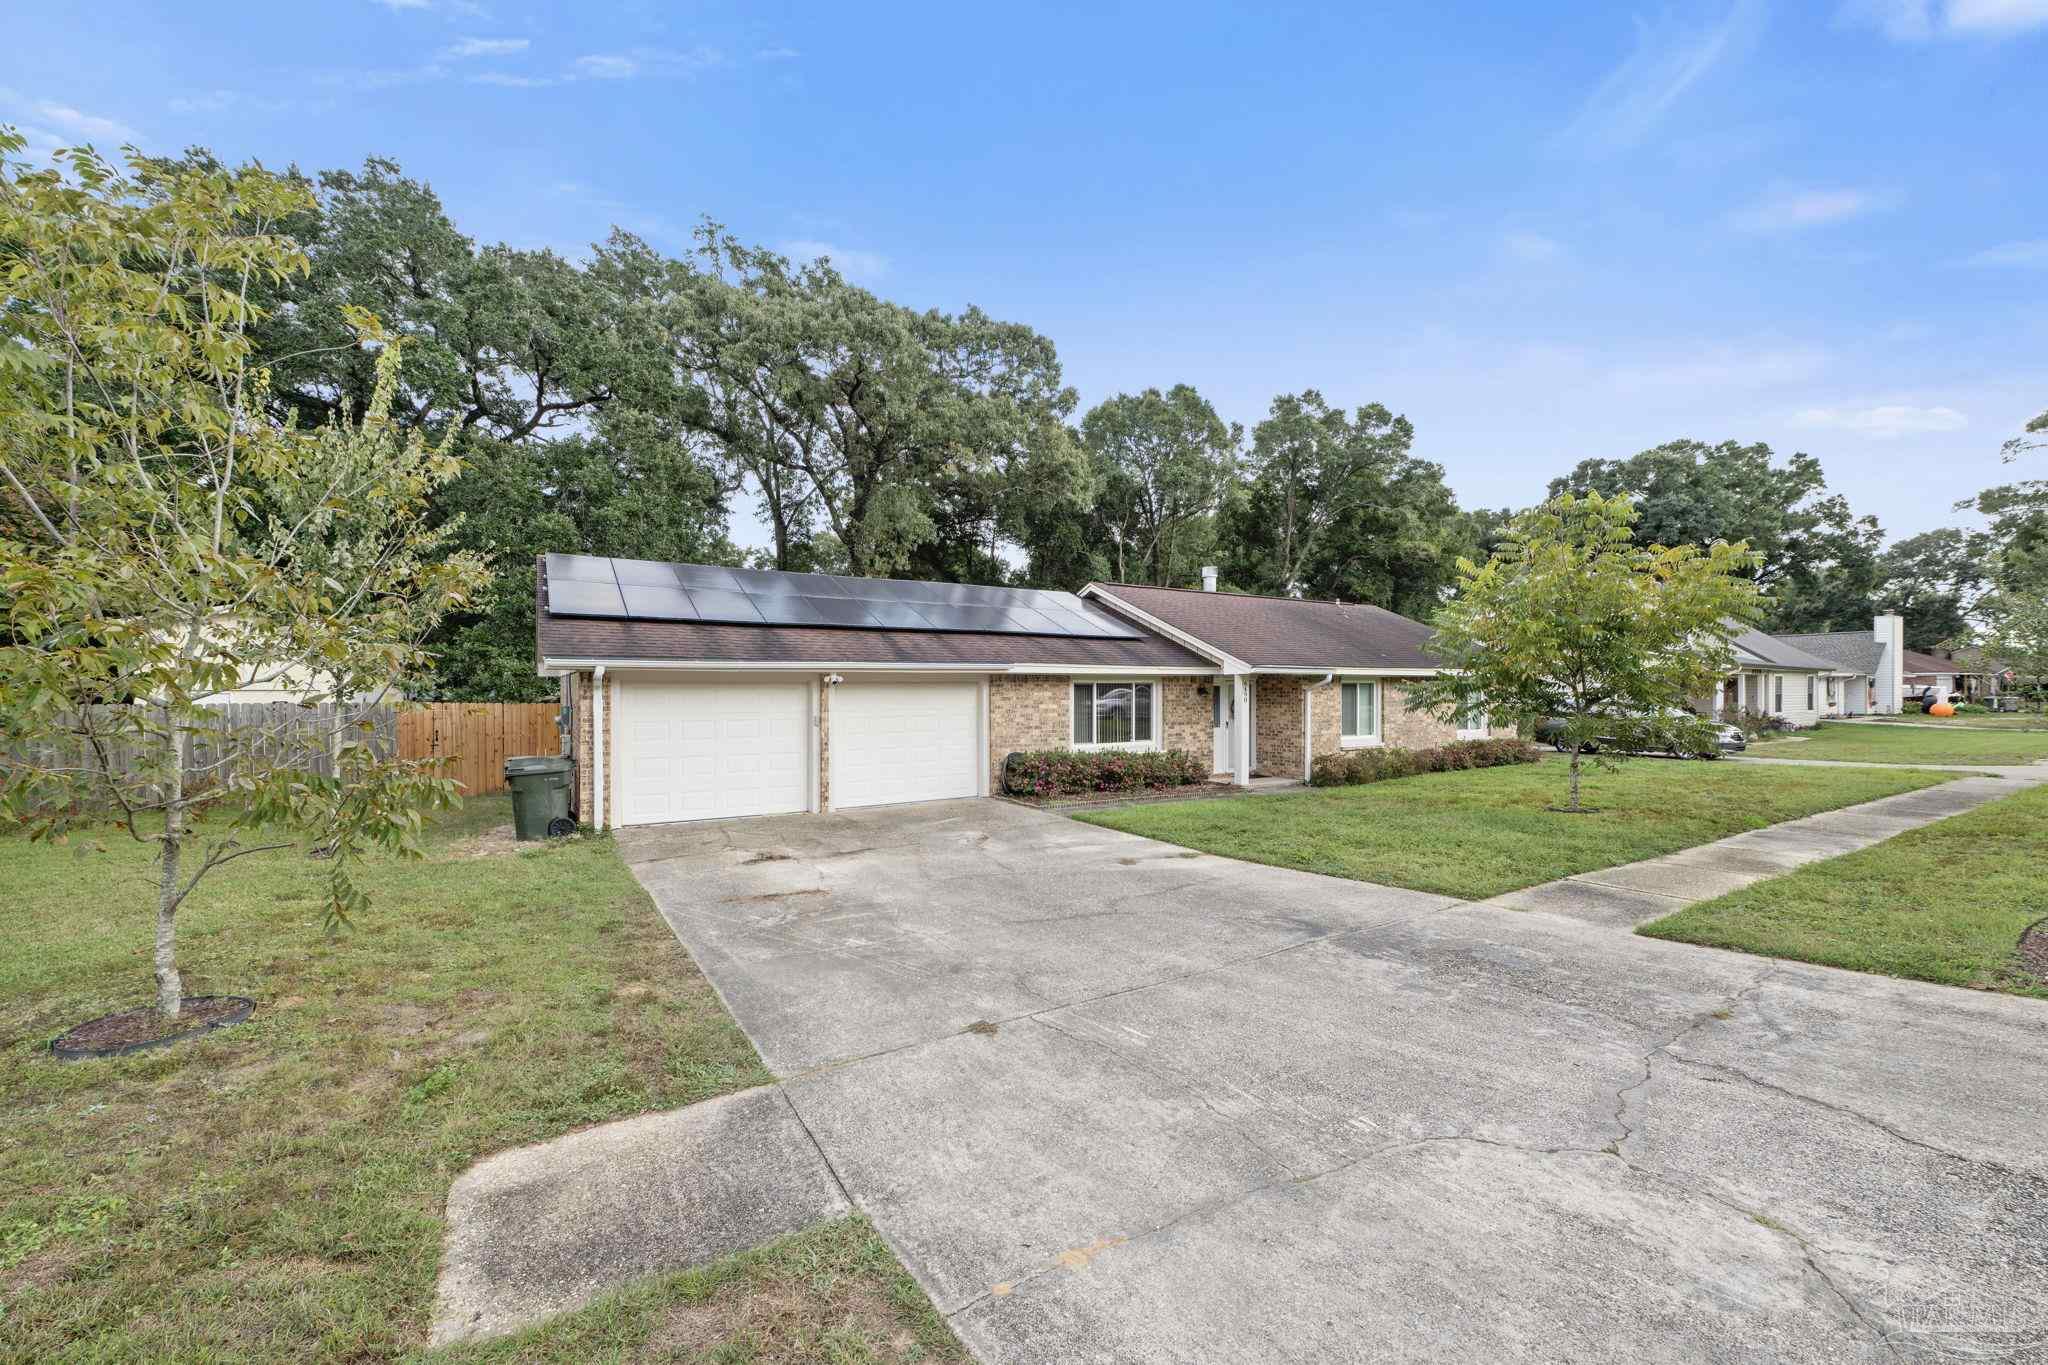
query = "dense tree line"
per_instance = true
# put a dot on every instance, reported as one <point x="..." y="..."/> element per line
<point x="625" y="404"/>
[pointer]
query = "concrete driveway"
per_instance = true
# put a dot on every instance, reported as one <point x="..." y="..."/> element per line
<point x="1112" y="1101"/>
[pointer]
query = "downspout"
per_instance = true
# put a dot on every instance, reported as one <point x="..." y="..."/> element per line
<point x="597" y="747"/>
<point x="1308" y="729"/>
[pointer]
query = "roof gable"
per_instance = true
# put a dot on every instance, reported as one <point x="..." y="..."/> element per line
<point x="1281" y="632"/>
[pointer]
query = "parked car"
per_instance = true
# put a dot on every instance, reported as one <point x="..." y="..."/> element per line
<point x="1728" y="739"/>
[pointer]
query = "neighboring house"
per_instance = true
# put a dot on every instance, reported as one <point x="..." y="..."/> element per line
<point x="1774" y="678"/>
<point x="701" y="692"/>
<point x="1869" y="677"/>
<point x="1945" y="675"/>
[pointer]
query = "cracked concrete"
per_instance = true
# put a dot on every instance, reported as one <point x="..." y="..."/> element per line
<point x="1111" y="1105"/>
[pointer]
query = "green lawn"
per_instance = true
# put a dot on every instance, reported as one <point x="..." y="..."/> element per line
<point x="1985" y="720"/>
<point x="274" y="1191"/>
<point x="1946" y="902"/>
<point x="1853" y="743"/>
<point x="1481" y="833"/>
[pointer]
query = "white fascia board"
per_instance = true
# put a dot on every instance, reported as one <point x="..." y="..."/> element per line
<point x="1343" y="672"/>
<point x="556" y="667"/>
<point x="1224" y="661"/>
<point x="1109" y="670"/>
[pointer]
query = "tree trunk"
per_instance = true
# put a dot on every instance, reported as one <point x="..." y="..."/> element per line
<point x="170" y="989"/>
<point x="1573" y="804"/>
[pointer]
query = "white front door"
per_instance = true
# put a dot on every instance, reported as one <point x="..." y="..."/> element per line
<point x="702" y="751"/>
<point x="898" y="742"/>
<point x="1222" y="719"/>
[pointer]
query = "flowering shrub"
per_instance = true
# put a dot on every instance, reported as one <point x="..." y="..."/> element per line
<point x="1360" y="766"/>
<point x="1064" y="772"/>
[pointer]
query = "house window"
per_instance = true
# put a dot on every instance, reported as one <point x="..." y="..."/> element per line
<point x="1809" y="691"/>
<point x="1472" y="722"/>
<point x="1778" y="693"/>
<point x="1113" y="713"/>
<point x="1361" y="708"/>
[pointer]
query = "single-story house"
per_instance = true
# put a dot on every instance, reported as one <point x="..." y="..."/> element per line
<point x="1870" y="665"/>
<point x="700" y="692"/>
<point x="1944" y="674"/>
<point x="1774" y="678"/>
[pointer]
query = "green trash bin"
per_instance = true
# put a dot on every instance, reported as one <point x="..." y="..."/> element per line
<point x="540" y="796"/>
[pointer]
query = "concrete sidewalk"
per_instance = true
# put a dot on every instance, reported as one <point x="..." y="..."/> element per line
<point x="1636" y="893"/>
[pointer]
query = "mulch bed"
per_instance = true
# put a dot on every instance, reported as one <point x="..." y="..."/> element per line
<point x="2034" y="950"/>
<point x="1194" y="791"/>
<point x="139" y="1029"/>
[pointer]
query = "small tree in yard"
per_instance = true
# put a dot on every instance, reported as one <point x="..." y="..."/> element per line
<point x="163" y="544"/>
<point x="1571" y="618"/>
<point x="2015" y="636"/>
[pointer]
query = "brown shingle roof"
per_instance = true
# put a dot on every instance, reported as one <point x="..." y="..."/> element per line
<point x="1283" y="632"/>
<point x="576" y="637"/>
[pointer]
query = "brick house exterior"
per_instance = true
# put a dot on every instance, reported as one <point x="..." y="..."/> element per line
<point x="730" y="718"/>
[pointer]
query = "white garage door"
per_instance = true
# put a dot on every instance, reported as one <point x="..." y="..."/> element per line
<point x="701" y="751"/>
<point x="894" y="742"/>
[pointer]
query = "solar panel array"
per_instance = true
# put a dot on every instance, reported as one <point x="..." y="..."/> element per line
<point x="650" y="590"/>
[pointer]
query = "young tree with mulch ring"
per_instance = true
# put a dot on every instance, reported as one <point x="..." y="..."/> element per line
<point x="164" y="544"/>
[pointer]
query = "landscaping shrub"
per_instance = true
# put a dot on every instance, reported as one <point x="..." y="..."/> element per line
<point x="1360" y="766"/>
<point x="1755" y="723"/>
<point x="1064" y="772"/>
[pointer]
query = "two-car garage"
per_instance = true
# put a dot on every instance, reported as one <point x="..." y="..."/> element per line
<point x="715" y="749"/>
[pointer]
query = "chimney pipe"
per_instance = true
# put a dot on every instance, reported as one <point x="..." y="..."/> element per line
<point x="1208" y="578"/>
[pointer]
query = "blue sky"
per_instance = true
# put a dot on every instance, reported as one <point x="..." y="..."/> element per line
<point x="1543" y="232"/>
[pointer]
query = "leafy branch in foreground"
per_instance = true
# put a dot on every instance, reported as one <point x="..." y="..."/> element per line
<point x="166" y="547"/>
<point x="1571" y="618"/>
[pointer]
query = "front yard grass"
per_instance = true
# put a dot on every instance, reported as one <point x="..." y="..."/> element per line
<point x="1488" y="831"/>
<point x="1855" y="743"/>
<point x="1946" y="902"/>
<point x="1980" y="720"/>
<point x="274" y="1191"/>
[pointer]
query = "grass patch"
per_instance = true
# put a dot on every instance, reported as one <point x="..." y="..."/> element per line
<point x="1481" y="833"/>
<point x="832" y="1293"/>
<point x="274" y="1190"/>
<point x="1946" y="902"/>
<point x="1852" y="743"/>
<point x="1986" y="720"/>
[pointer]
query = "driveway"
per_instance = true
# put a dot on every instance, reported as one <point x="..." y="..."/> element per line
<point x="1114" y="1101"/>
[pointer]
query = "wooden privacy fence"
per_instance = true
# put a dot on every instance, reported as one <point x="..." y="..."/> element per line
<point x="475" y="737"/>
<point x="478" y="736"/>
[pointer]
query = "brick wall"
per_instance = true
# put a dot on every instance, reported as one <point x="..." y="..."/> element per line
<point x="1188" y="722"/>
<point x="582" y="747"/>
<point x="1276" y="711"/>
<point x="1038" y="713"/>
<point x="1405" y="727"/>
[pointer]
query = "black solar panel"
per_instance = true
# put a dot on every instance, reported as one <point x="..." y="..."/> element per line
<point x="647" y="603"/>
<point x="573" y="598"/>
<point x="651" y="590"/>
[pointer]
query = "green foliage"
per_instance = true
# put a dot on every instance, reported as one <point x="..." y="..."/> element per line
<point x="1067" y="772"/>
<point x="1817" y="561"/>
<point x="1163" y="463"/>
<point x="1934" y="580"/>
<point x="1379" y="764"/>
<point x="1572" y="618"/>
<point x="168" y="545"/>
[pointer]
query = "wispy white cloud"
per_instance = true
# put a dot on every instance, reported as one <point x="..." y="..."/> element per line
<point x="2012" y="254"/>
<point x="1792" y="210"/>
<point x="777" y="54"/>
<point x="1532" y="248"/>
<point x="607" y="66"/>
<point x="512" y="80"/>
<point x="1919" y="20"/>
<point x="1668" y="60"/>
<point x="78" y="124"/>
<point x="1886" y="421"/>
<point x="221" y="101"/>
<point x="485" y="47"/>
<point x="862" y="267"/>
